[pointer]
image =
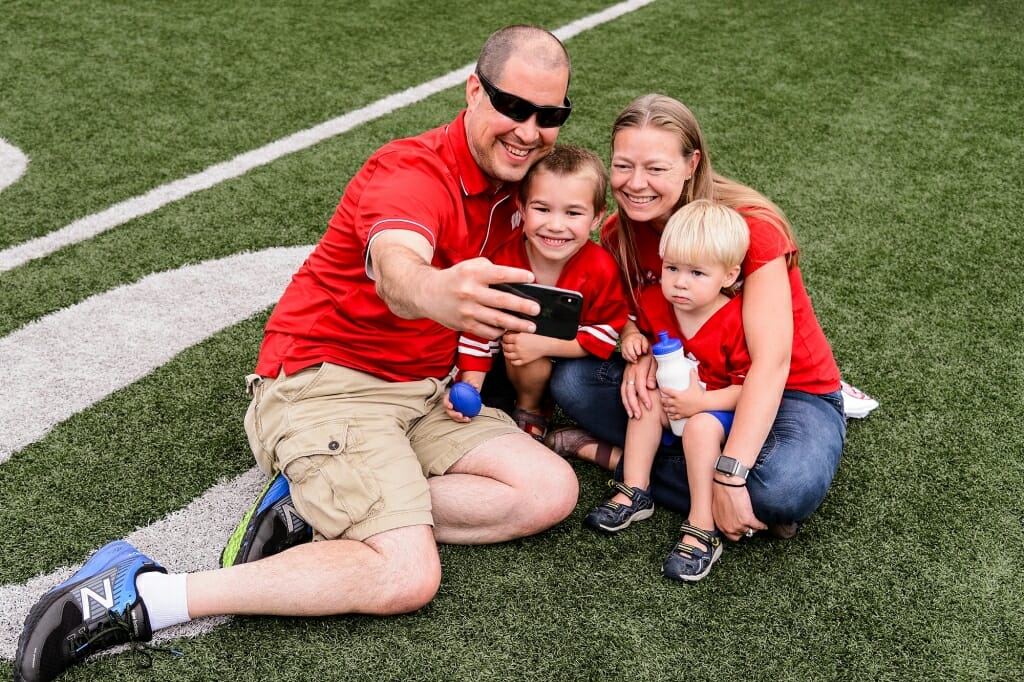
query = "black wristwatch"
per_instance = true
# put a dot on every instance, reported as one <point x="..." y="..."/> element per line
<point x="731" y="467"/>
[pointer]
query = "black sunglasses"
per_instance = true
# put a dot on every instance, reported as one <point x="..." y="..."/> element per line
<point x="519" y="109"/>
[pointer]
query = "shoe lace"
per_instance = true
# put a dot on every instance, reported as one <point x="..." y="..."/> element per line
<point x="122" y="623"/>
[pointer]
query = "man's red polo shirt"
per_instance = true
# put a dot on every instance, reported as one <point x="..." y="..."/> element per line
<point x="330" y="311"/>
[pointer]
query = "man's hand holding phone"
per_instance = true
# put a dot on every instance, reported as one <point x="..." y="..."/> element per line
<point x="466" y="302"/>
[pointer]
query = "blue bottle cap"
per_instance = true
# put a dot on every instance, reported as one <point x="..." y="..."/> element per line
<point x="666" y="344"/>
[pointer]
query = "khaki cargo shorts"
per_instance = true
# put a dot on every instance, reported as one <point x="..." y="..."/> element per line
<point x="357" y="450"/>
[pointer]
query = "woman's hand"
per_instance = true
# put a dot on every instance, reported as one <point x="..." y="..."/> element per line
<point x="734" y="515"/>
<point x="637" y="386"/>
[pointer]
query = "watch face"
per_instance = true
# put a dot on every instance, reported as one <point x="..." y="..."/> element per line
<point x="730" y="467"/>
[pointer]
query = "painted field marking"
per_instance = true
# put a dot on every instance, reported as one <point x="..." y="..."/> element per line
<point x="97" y="223"/>
<point x="69" y="360"/>
<point x="13" y="164"/>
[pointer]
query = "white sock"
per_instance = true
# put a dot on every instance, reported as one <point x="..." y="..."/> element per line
<point x="165" y="598"/>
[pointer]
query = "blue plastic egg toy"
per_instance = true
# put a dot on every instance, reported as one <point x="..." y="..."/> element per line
<point x="465" y="399"/>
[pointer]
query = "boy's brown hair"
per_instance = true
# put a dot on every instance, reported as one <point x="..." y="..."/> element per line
<point x="566" y="159"/>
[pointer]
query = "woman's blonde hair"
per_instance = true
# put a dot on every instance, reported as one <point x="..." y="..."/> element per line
<point x="666" y="113"/>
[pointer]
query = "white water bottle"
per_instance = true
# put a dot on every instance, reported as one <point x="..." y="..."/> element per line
<point x="673" y="370"/>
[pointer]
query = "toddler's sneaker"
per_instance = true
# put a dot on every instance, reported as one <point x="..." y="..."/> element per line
<point x="856" y="403"/>
<point x="270" y="526"/>
<point x="611" y="517"/>
<point x="95" y="609"/>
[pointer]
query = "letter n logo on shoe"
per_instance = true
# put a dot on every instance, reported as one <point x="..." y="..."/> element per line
<point x="106" y="600"/>
<point x="292" y="520"/>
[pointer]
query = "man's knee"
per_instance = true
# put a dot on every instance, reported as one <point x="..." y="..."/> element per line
<point x="554" y="492"/>
<point x="410" y="572"/>
<point x="414" y="588"/>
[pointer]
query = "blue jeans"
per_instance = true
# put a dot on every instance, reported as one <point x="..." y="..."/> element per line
<point x="792" y="473"/>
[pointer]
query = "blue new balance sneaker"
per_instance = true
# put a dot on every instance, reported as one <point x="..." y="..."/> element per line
<point x="95" y="609"/>
<point x="270" y="526"/>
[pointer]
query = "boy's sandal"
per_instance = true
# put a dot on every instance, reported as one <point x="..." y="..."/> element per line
<point x="568" y="442"/>
<point x="533" y="423"/>
<point x="689" y="563"/>
<point x="611" y="516"/>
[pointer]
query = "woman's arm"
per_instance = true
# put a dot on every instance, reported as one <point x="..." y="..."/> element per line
<point x="768" y="326"/>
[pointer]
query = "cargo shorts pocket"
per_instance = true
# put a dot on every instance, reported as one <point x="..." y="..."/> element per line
<point x="331" y="487"/>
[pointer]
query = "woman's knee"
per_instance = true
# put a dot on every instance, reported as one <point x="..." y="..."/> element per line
<point x="796" y="466"/>
<point x="791" y="486"/>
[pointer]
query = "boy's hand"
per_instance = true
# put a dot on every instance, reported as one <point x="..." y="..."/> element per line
<point x="475" y="379"/>
<point x="686" y="403"/>
<point x="452" y="412"/>
<point x="522" y="349"/>
<point x="633" y="346"/>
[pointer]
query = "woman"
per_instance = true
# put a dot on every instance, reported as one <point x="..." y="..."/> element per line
<point x="790" y="440"/>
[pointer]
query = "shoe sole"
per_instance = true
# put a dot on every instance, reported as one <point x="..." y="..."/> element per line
<point x="229" y="556"/>
<point x="240" y="546"/>
<point x="856" y="403"/>
<point x="639" y="516"/>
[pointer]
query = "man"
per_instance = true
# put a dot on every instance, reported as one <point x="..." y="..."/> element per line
<point x="350" y="387"/>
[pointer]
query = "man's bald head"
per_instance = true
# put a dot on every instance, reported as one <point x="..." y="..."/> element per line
<point x="530" y="43"/>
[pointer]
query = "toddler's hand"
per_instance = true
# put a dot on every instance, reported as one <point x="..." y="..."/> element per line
<point x="633" y="346"/>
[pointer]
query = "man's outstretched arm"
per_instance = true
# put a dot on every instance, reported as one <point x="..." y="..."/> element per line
<point x="459" y="297"/>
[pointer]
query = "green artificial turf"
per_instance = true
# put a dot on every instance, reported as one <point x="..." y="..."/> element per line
<point x="891" y="134"/>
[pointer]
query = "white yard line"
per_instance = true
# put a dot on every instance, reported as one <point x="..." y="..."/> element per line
<point x="12" y="164"/>
<point x="69" y="360"/>
<point x="92" y="225"/>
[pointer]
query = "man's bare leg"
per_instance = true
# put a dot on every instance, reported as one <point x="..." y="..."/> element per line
<point x="396" y="571"/>
<point x="505" y="488"/>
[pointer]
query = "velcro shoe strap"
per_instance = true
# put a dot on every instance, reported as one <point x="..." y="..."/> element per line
<point x="624" y="489"/>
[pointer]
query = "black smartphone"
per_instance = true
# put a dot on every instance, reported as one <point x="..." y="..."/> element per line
<point x="560" y="308"/>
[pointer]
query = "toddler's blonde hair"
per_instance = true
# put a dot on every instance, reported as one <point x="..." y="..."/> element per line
<point x="705" y="230"/>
